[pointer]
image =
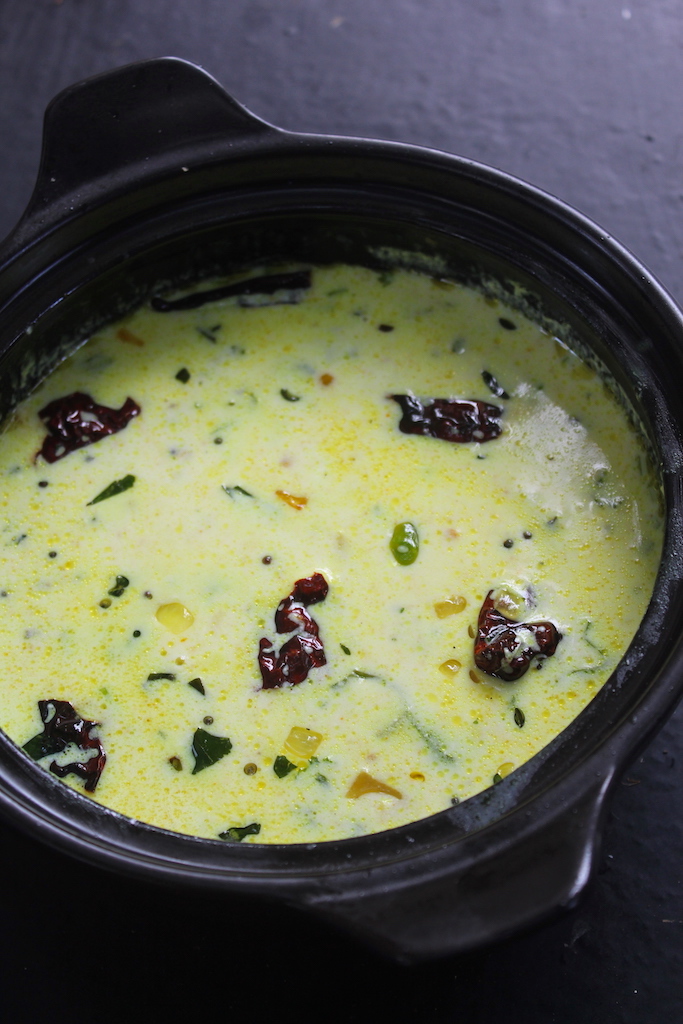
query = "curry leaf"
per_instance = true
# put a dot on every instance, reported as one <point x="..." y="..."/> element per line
<point x="207" y="749"/>
<point x="116" y="487"/>
<point x="237" y="834"/>
<point x="283" y="766"/>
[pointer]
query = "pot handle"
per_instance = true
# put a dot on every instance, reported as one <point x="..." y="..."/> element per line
<point x="140" y="118"/>
<point x="454" y="908"/>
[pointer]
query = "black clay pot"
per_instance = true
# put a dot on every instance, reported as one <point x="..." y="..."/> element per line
<point x="151" y="175"/>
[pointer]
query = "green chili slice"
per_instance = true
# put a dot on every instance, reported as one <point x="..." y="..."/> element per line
<point x="405" y="543"/>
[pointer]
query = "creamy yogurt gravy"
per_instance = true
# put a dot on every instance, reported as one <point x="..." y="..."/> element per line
<point x="291" y="399"/>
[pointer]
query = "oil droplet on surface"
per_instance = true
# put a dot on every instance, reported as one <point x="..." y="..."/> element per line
<point x="175" y="616"/>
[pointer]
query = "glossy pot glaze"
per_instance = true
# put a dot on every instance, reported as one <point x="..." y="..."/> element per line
<point x="152" y="176"/>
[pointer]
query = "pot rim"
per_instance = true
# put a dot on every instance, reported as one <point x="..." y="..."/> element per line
<point x="482" y="828"/>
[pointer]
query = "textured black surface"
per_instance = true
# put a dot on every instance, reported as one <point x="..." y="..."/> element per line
<point x="581" y="98"/>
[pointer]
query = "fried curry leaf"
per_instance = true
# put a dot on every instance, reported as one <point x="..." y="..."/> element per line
<point x="42" y="745"/>
<point x="267" y="285"/>
<point x="283" y="766"/>
<point x="207" y="749"/>
<point x="116" y="487"/>
<point x="237" y="834"/>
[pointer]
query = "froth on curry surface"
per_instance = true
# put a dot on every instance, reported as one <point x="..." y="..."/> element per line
<point x="141" y="573"/>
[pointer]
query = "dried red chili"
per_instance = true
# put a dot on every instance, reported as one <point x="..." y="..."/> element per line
<point x="77" y="420"/>
<point x="501" y="647"/>
<point x="302" y="652"/>
<point x="63" y="725"/>
<point x="459" y="419"/>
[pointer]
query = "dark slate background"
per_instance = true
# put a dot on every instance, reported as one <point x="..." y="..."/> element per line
<point x="580" y="97"/>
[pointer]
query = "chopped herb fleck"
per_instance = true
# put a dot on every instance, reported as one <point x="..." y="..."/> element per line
<point x="497" y="778"/>
<point x="288" y="396"/>
<point x="207" y="749"/>
<point x="231" y="491"/>
<point x="363" y="675"/>
<point x="116" y="487"/>
<point x="153" y="676"/>
<point x="183" y="375"/>
<point x="520" y="717"/>
<point x="492" y="384"/>
<point x="385" y="328"/>
<point x="209" y="332"/>
<point x="197" y="685"/>
<point x="237" y="834"/>
<point x="345" y="648"/>
<point x="283" y="766"/>
<point x="507" y="324"/>
<point x="43" y="483"/>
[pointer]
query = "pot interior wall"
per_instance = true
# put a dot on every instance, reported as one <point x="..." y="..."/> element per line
<point x="80" y="290"/>
<point x="120" y="269"/>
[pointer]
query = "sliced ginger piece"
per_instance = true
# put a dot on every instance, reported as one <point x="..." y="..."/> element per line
<point x="365" y="783"/>
<point x="292" y="499"/>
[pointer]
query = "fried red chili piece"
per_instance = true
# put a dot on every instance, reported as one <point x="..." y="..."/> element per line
<point x="76" y="420"/>
<point x="302" y="652"/>
<point x="291" y="613"/>
<point x="296" y="658"/>
<point x="459" y="419"/>
<point x="502" y="647"/>
<point x="63" y="725"/>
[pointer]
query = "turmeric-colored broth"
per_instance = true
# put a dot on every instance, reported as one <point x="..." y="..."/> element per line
<point x="276" y="456"/>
